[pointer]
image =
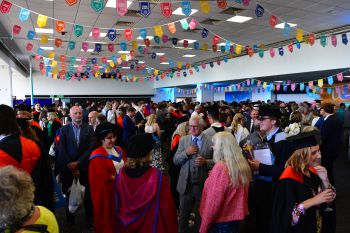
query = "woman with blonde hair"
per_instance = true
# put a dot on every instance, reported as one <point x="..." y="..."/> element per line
<point x="52" y="126"/>
<point x="237" y="127"/>
<point x="302" y="190"/>
<point x="225" y="195"/>
<point x="17" y="210"/>
<point x="152" y="128"/>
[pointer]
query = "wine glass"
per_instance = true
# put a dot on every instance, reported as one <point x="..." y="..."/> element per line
<point x="328" y="207"/>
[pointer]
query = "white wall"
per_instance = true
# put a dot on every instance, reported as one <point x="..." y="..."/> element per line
<point x="308" y="58"/>
<point x="5" y="85"/>
<point x="219" y="96"/>
<point x="48" y="86"/>
<point x="294" y="97"/>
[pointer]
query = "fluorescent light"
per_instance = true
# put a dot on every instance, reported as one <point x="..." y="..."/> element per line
<point x="189" y="41"/>
<point x="179" y="47"/>
<point x="189" y="55"/>
<point x="75" y="66"/>
<point x="89" y="50"/>
<point x="44" y="30"/>
<point x="239" y="19"/>
<point x="78" y="59"/>
<point x="102" y="34"/>
<point x="178" y="11"/>
<point x="141" y="62"/>
<point x="113" y="3"/>
<point x="148" y="37"/>
<point x="109" y="60"/>
<point x="164" y="63"/>
<point x="126" y="68"/>
<point x="47" y="48"/>
<point x="160" y="54"/>
<point x="222" y="44"/>
<point x="278" y="81"/>
<point x="126" y="52"/>
<point x="281" y="25"/>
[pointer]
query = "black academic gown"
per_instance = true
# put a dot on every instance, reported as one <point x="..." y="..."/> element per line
<point x="292" y="190"/>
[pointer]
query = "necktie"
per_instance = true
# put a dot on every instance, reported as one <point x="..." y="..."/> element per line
<point x="195" y="141"/>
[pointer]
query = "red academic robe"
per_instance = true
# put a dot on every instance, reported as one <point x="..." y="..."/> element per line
<point x="102" y="178"/>
<point x="145" y="204"/>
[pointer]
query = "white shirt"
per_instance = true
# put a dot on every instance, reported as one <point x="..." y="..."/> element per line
<point x="117" y="165"/>
<point x="328" y="116"/>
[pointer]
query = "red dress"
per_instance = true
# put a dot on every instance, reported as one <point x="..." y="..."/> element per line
<point x="102" y="174"/>
<point x="145" y="204"/>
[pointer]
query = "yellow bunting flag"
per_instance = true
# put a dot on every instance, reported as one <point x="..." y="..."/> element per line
<point x="264" y="85"/>
<point x="299" y="34"/>
<point x="111" y="64"/>
<point x="97" y="74"/>
<point x="156" y="72"/>
<point x="44" y="39"/>
<point x="158" y="30"/>
<point x="179" y="64"/>
<point x="55" y="71"/>
<point x="52" y="55"/>
<point x="320" y="82"/>
<point x="204" y="6"/>
<point x="205" y="46"/>
<point x="41" y="21"/>
<point x="54" y="76"/>
<point x="123" y="56"/>
<point x="54" y="63"/>
<point x="238" y="49"/>
<point x="134" y="44"/>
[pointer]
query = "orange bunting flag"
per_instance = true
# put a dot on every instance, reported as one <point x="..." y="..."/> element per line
<point x="58" y="42"/>
<point x="172" y="28"/>
<point x="41" y="21"/>
<point x="60" y="26"/>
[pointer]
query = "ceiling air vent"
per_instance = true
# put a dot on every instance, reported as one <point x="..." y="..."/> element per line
<point x="232" y="11"/>
<point x="209" y="21"/>
<point x="125" y="24"/>
<point x="133" y="13"/>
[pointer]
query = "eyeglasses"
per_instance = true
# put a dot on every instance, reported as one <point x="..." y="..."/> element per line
<point x="260" y="118"/>
<point x="193" y="126"/>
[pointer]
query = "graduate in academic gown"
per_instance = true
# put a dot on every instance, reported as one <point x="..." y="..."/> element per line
<point x="302" y="190"/>
<point x="105" y="162"/>
<point x="144" y="202"/>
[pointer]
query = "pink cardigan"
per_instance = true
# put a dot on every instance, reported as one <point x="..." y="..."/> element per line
<point x="220" y="201"/>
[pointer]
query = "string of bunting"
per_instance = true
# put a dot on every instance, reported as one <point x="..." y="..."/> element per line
<point x="230" y="47"/>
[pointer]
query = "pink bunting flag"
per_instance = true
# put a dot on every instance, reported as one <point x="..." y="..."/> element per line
<point x="83" y="61"/>
<point x="311" y="84"/>
<point x="193" y="24"/>
<point x="290" y="47"/>
<point x="96" y="33"/>
<point x="122" y="7"/>
<point x="340" y="77"/>
<point x="85" y="46"/>
<point x="278" y="86"/>
<point x="334" y="40"/>
<point x="272" y="52"/>
<point x="292" y="86"/>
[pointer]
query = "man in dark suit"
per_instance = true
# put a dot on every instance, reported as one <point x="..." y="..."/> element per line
<point x="194" y="155"/>
<point x="129" y="127"/>
<point x="249" y="123"/>
<point x="140" y="118"/>
<point x="75" y="147"/>
<point x="332" y="140"/>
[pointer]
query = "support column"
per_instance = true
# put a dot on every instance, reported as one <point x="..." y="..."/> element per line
<point x="6" y="85"/>
<point x="204" y="95"/>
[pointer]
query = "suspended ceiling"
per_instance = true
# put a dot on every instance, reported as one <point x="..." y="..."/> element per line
<point x="310" y="15"/>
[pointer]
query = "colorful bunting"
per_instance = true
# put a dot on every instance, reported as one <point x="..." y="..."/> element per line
<point x="78" y="30"/>
<point x="122" y="7"/>
<point x="16" y="29"/>
<point x="97" y="5"/>
<point x="340" y="77"/>
<point x="172" y="28"/>
<point x="186" y="8"/>
<point x="204" y="6"/>
<point x="96" y="33"/>
<point x="60" y="26"/>
<point x="41" y="21"/>
<point x="222" y="4"/>
<point x="71" y="2"/>
<point x="24" y="14"/>
<point x="5" y="6"/>
<point x="158" y="30"/>
<point x="128" y="34"/>
<point x="273" y="21"/>
<point x="184" y="24"/>
<point x="334" y="40"/>
<point x="259" y="11"/>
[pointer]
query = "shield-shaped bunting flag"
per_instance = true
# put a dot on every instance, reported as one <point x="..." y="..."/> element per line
<point x="29" y="47"/>
<point x="96" y="33"/>
<point x="16" y="29"/>
<point x="286" y="29"/>
<point x="205" y="33"/>
<point x="85" y="46"/>
<point x="204" y="6"/>
<point x="71" y="45"/>
<point x="5" y="6"/>
<point x="128" y="34"/>
<point x="156" y="39"/>
<point x="259" y="11"/>
<point x="186" y="8"/>
<point x="166" y="9"/>
<point x="145" y="9"/>
<point x="222" y="4"/>
<point x="184" y="24"/>
<point x="97" y="5"/>
<point x="111" y="48"/>
<point x="58" y="42"/>
<point x="281" y="51"/>
<point x="98" y="48"/>
<point x="122" y="7"/>
<point x="24" y="14"/>
<point x="273" y="21"/>
<point x="344" y="38"/>
<point x="60" y="26"/>
<point x="78" y="30"/>
<point x="41" y="21"/>
<point x="71" y="2"/>
<point x="172" y="27"/>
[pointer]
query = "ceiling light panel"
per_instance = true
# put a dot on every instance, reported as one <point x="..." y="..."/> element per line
<point x="239" y="19"/>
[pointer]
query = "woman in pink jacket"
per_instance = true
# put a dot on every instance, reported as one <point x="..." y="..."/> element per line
<point x="225" y="195"/>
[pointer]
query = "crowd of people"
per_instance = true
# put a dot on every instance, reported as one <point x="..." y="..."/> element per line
<point x="173" y="167"/>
